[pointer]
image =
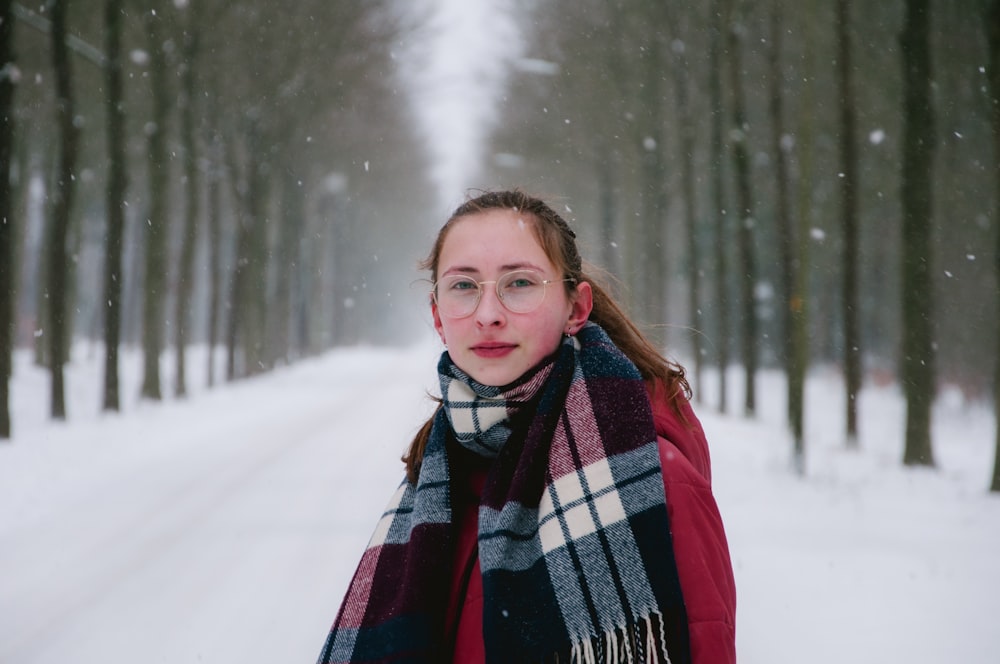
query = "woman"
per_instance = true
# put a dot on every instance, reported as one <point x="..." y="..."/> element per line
<point x="557" y="506"/>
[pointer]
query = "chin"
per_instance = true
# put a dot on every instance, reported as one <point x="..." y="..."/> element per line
<point x="492" y="379"/>
<point x="496" y="376"/>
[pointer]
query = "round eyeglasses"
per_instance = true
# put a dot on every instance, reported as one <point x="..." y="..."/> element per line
<point x="520" y="291"/>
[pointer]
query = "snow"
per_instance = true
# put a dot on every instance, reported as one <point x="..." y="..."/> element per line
<point x="225" y="527"/>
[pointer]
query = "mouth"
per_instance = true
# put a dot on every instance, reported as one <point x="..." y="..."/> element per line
<point x="493" y="349"/>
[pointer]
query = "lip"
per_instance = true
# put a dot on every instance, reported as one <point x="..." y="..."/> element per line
<point x="493" y="349"/>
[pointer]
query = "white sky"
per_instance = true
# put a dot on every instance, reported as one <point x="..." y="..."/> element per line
<point x="457" y="73"/>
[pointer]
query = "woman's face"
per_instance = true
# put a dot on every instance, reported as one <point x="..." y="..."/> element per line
<point x="494" y="345"/>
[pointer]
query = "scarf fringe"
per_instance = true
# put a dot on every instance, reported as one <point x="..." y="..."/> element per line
<point x="642" y="643"/>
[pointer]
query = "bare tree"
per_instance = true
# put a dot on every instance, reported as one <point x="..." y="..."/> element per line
<point x="917" y="187"/>
<point x="793" y="355"/>
<point x="157" y="219"/>
<point x="835" y="82"/>
<point x="993" y="38"/>
<point x="653" y="192"/>
<point x="744" y="207"/>
<point x="299" y="109"/>
<point x="192" y="211"/>
<point x="849" y="220"/>
<point x="718" y="197"/>
<point x="63" y="192"/>
<point x="245" y="332"/>
<point x="799" y="298"/>
<point x="8" y="228"/>
<point x="216" y="269"/>
<point x="117" y="183"/>
<point x="681" y="67"/>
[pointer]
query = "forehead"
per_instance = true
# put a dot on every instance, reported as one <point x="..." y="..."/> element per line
<point x="492" y="237"/>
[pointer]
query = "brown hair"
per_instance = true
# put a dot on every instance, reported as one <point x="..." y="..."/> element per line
<point x="558" y="241"/>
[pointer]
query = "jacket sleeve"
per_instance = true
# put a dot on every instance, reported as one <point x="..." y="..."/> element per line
<point x="699" y="539"/>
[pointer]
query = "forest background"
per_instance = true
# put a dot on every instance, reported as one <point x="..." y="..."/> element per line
<point x="768" y="183"/>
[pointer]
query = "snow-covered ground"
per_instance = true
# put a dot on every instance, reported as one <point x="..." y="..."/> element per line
<point x="224" y="528"/>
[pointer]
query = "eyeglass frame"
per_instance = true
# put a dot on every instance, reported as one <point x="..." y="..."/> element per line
<point x="496" y="289"/>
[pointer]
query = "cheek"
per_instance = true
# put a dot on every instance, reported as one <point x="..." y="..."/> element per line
<point x="436" y="319"/>
<point x="443" y="329"/>
<point x="550" y="331"/>
<point x="454" y="331"/>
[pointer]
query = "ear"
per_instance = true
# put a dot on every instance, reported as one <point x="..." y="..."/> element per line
<point x="437" y="321"/>
<point x="580" y="307"/>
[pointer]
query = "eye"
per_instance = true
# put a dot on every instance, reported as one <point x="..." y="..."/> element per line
<point x="520" y="280"/>
<point x="459" y="284"/>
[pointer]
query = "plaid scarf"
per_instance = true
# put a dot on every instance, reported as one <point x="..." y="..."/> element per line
<point x="574" y="538"/>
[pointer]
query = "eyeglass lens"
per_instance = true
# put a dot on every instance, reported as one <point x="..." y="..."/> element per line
<point x="520" y="291"/>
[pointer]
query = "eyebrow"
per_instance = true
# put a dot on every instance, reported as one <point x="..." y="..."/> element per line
<point x="506" y="267"/>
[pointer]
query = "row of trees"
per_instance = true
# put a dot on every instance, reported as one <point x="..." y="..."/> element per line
<point x="200" y="171"/>
<point x="813" y="182"/>
<point x="229" y="173"/>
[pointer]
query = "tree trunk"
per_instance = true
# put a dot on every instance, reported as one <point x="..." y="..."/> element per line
<point x="917" y="184"/>
<point x="993" y="38"/>
<point x="790" y="289"/>
<point x="744" y="206"/>
<point x="783" y="217"/>
<point x="681" y="68"/>
<point x="189" y="239"/>
<point x="214" y="244"/>
<point x="610" y="250"/>
<point x="240" y="266"/>
<point x="116" y="188"/>
<point x="653" y="240"/>
<point x="290" y="228"/>
<point x="718" y="199"/>
<point x="256" y="300"/>
<point x="58" y="260"/>
<point x="155" y="291"/>
<point x="798" y="287"/>
<point x="298" y="341"/>
<point x="246" y="332"/>
<point x="340" y="235"/>
<point x="8" y="224"/>
<point x="849" y="219"/>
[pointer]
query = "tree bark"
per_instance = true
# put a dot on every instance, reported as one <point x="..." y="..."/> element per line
<point x="744" y="205"/>
<point x="605" y="176"/>
<point x="993" y="39"/>
<point x="849" y="222"/>
<point x="290" y="229"/>
<point x="256" y="299"/>
<point x="155" y="287"/>
<point x="62" y="194"/>
<point x="8" y="224"/>
<point x="798" y="299"/>
<point x="791" y="295"/>
<point x="917" y="185"/>
<point x="116" y="188"/>
<point x="215" y="267"/>
<point x="686" y="127"/>
<point x="246" y="336"/>
<point x="189" y="238"/>
<point x="238" y="275"/>
<point x="718" y="199"/>
<point x="653" y="241"/>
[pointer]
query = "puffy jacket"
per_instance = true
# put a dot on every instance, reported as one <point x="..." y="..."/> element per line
<point x="699" y="539"/>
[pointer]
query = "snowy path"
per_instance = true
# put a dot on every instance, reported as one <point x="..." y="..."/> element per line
<point x="224" y="529"/>
<point x="200" y="547"/>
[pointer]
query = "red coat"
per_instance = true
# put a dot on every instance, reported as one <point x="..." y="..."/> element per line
<point x="700" y="548"/>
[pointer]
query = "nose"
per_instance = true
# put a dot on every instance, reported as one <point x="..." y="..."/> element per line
<point x="490" y="311"/>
